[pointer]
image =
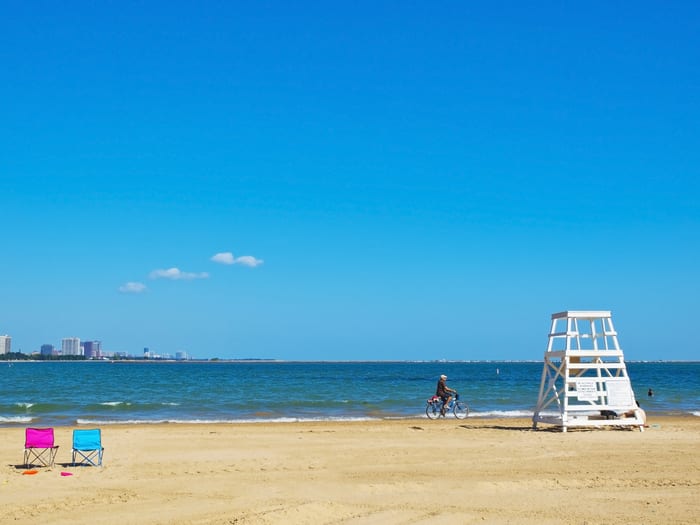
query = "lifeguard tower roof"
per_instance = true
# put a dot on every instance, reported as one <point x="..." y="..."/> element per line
<point x="583" y="314"/>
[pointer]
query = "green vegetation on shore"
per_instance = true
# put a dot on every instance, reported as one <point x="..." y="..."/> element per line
<point x="19" y="356"/>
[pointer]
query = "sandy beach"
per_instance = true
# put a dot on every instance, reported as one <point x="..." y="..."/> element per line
<point x="397" y="471"/>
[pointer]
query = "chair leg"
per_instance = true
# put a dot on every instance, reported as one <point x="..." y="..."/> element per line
<point x="45" y="457"/>
<point x="88" y="457"/>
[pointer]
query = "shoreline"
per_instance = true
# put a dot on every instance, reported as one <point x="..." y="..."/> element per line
<point x="518" y="416"/>
<point x="515" y="421"/>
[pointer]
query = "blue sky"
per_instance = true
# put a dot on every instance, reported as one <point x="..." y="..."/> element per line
<point x="379" y="180"/>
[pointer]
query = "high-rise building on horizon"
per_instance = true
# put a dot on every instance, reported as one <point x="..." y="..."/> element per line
<point x="47" y="350"/>
<point x="5" y="344"/>
<point x="92" y="349"/>
<point x="71" y="346"/>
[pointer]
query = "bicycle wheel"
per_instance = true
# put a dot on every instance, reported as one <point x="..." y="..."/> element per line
<point x="460" y="410"/>
<point x="432" y="410"/>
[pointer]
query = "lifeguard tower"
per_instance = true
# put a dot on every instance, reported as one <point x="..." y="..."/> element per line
<point x="584" y="378"/>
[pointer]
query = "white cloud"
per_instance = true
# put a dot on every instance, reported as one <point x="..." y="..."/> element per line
<point x="176" y="274"/>
<point x="132" y="287"/>
<point x="228" y="258"/>
<point x="248" y="260"/>
<point x="224" y="258"/>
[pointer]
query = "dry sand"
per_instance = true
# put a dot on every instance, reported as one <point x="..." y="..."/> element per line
<point x="400" y="471"/>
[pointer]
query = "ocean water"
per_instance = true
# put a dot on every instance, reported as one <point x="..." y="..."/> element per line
<point x="102" y="393"/>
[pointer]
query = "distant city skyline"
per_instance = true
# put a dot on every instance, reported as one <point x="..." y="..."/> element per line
<point x="349" y="181"/>
<point x="73" y="346"/>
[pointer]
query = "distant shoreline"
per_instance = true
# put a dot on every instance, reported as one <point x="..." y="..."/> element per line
<point x="315" y="361"/>
<point x="323" y="361"/>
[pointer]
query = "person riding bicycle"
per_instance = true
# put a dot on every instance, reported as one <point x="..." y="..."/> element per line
<point x="443" y="392"/>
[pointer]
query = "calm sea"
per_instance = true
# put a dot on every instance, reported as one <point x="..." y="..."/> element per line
<point x="101" y="393"/>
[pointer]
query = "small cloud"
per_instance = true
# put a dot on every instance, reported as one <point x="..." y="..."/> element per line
<point x="228" y="258"/>
<point x="248" y="260"/>
<point x="132" y="287"/>
<point x="175" y="274"/>
<point x="224" y="258"/>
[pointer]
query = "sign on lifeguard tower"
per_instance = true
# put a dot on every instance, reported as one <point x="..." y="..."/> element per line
<point x="584" y="379"/>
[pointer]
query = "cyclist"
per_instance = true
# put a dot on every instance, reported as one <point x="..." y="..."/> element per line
<point x="443" y="392"/>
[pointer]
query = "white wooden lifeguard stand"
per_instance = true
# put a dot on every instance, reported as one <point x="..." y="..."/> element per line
<point x="584" y="379"/>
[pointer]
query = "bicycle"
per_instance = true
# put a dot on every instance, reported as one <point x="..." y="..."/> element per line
<point x="434" y="410"/>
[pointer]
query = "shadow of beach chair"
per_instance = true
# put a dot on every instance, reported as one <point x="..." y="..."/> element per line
<point x="87" y="447"/>
<point x="39" y="448"/>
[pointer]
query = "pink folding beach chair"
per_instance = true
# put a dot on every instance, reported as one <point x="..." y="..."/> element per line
<point x="39" y="448"/>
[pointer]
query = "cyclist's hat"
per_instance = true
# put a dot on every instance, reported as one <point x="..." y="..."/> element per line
<point x="443" y="376"/>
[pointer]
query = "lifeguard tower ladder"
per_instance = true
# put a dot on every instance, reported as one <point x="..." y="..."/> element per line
<point x="584" y="378"/>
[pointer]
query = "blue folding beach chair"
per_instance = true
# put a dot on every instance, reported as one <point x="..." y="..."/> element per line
<point x="87" y="447"/>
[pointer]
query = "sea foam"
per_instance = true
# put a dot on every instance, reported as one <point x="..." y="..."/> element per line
<point x="15" y="419"/>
